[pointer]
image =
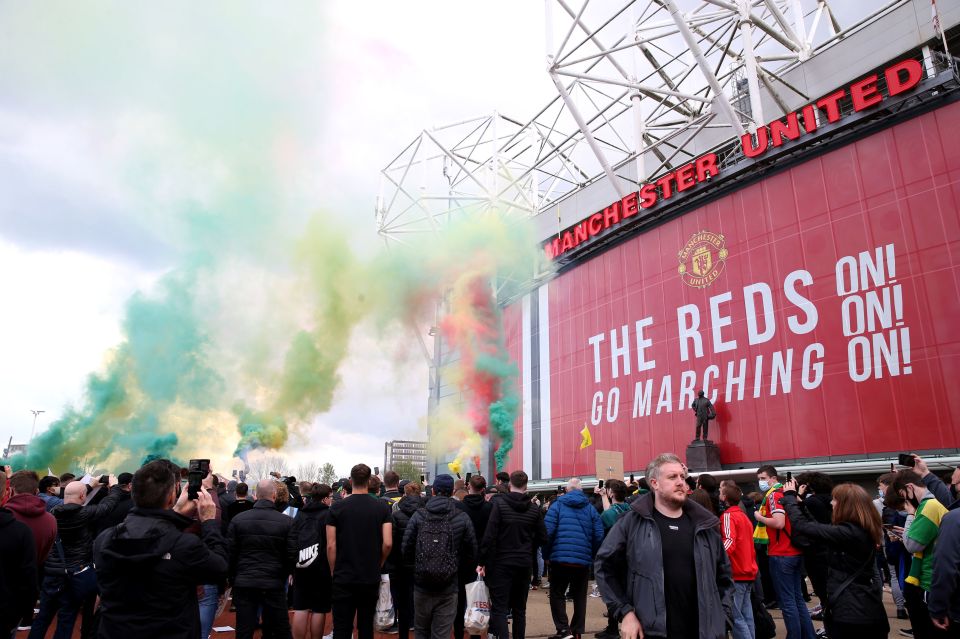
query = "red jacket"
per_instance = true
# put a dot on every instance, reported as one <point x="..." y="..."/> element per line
<point x="32" y="511"/>
<point x="737" y="536"/>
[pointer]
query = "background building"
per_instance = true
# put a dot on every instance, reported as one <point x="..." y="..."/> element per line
<point x="400" y="450"/>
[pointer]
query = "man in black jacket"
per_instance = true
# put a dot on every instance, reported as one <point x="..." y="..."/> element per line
<point x="123" y="505"/>
<point x="18" y="572"/>
<point x="477" y="509"/>
<point x="438" y="538"/>
<point x="401" y="572"/>
<point x="261" y="559"/>
<point x="74" y="553"/>
<point x="514" y="532"/>
<point x="149" y="569"/>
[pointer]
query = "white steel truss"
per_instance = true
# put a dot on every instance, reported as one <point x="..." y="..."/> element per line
<point x="643" y="86"/>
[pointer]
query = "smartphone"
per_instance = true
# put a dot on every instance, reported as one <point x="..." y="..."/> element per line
<point x="559" y="489"/>
<point x="104" y="479"/>
<point x="196" y="471"/>
<point x="469" y="475"/>
<point x="789" y="476"/>
<point x="600" y="485"/>
<point x="234" y="473"/>
<point x="422" y="480"/>
<point x="631" y="479"/>
<point x="376" y="470"/>
<point x="906" y="459"/>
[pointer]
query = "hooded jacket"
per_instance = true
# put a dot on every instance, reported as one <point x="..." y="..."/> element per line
<point x="119" y="512"/>
<point x="851" y="552"/>
<point x="75" y="528"/>
<point x="261" y="554"/>
<point x="406" y="508"/>
<point x="18" y="572"/>
<point x="478" y="510"/>
<point x="32" y="511"/>
<point x="514" y="531"/>
<point x="574" y="530"/>
<point x="148" y="571"/>
<point x="464" y="541"/>
<point x="629" y="570"/>
<point x="313" y="513"/>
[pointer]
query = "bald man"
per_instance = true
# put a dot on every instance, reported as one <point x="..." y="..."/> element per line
<point x="75" y="526"/>
<point x="262" y="556"/>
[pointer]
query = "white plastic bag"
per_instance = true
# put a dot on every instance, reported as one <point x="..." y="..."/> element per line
<point x="385" y="613"/>
<point x="476" y="619"/>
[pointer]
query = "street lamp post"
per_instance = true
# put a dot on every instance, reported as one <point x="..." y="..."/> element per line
<point x="36" y="413"/>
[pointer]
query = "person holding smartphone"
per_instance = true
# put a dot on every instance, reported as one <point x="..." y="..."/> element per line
<point x="853" y="601"/>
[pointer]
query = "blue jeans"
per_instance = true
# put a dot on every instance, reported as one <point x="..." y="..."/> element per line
<point x="208" y="609"/>
<point x="786" y="573"/>
<point x="743" y="627"/>
<point x="56" y="599"/>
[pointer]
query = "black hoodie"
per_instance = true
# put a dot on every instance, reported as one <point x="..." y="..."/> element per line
<point x="406" y="507"/>
<point x="514" y="531"/>
<point x="148" y="571"/>
<point x="18" y="572"/>
<point x="478" y="510"/>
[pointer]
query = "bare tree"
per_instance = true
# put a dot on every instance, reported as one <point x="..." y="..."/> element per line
<point x="262" y="467"/>
<point x="308" y="471"/>
<point x="328" y="474"/>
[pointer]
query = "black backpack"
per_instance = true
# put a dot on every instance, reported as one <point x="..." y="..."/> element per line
<point x="436" y="558"/>
<point x="311" y="543"/>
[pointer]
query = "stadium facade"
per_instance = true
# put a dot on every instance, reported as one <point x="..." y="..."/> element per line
<point x="799" y="262"/>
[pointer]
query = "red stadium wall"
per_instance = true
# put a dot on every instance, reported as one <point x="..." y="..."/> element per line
<point x="885" y="208"/>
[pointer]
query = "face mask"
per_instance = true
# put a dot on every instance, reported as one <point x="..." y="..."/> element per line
<point x="764" y="485"/>
<point x="879" y="494"/>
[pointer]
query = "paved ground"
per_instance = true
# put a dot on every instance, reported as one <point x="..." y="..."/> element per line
<point x="539" y="623"/>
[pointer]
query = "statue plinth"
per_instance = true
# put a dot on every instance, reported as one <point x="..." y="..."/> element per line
<point x="703" y="455"/>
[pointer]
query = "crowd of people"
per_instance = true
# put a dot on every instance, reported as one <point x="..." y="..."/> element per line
<point x="671" y="556"/>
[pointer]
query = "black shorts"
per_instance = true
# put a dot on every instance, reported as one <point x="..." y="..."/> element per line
<point x="312" y="591"/>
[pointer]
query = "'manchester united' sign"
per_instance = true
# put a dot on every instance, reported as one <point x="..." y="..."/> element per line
<point x="864" y="94"/>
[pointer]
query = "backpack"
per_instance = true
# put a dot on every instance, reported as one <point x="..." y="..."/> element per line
<point x="436" y="558"/>
<point x="310" y="541"/>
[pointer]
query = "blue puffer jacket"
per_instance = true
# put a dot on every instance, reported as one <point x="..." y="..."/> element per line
<point x="574" y="529"/>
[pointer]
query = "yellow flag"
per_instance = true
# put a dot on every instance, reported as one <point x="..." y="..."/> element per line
<point x="587" y="439"/>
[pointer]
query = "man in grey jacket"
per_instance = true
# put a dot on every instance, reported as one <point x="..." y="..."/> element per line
<point x="662" y="569"/>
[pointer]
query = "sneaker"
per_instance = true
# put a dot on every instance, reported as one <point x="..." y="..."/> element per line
<point x="606" y="634"/>
<point x="902" y="614"/>
<point x="330" y="636"/>
<point x="595" y="592"/>
<point x="906" y="632"/>
<point x="822" y="633"/>
<point x="567" y="635"/>
<point x="392" y="630"/>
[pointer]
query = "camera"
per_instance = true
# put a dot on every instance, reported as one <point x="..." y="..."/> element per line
<point x="196" y="471"/>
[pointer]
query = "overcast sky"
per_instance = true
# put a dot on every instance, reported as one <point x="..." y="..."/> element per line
<point x="80" y="91"/>
<point x="104" y="111"/>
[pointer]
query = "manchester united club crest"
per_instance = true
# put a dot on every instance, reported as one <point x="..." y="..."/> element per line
<point x="702" y="259"/>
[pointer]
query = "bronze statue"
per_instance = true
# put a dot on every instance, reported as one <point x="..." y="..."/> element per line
<point x="703" y="408"/>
